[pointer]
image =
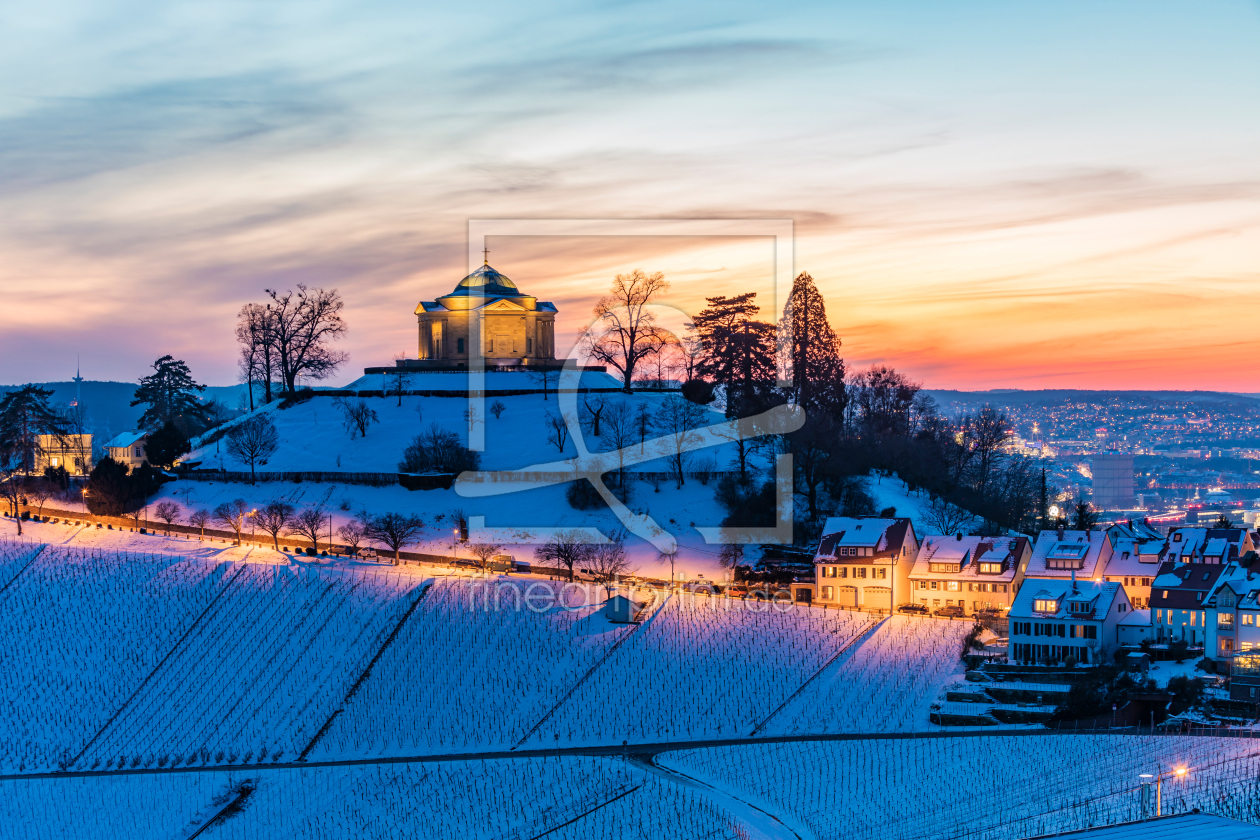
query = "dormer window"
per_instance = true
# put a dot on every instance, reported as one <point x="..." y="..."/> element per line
<point x="1079" y="607"/>
<point x="1045" y="605"/>
<point x="990" y="568"/>
<point x="1066" y="556"/>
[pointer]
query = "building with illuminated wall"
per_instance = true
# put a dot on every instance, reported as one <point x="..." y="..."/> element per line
<point x="515" y="329"/>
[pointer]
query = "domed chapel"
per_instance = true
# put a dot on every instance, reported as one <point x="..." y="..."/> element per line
<point x="516" y="328"/>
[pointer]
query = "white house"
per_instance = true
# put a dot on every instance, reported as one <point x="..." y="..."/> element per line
<point x="974" y="573"/>
<point x="864" y="563"/>
<point x="128" y="449"/>
<point x="1062" y="555"/>
<point x="1052" y="620"/>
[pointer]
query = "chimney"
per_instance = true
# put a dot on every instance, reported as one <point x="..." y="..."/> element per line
<point x="959" y="536"/>
<point x="1060" y="533"/>
<point x="1074" y="581"/>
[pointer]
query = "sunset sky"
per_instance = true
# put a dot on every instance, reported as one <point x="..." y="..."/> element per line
<point x="997" y="194"/>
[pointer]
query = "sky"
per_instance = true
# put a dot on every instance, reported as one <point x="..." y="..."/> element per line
<point x="988" y="194"/>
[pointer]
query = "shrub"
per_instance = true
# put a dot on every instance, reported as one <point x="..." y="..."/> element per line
<point x="582" y="495"/>
<point x="438" y="450"/>
<point x="698" y="391"/>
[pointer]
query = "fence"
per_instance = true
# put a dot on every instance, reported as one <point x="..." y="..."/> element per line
<point x="374" y="479"/>
<point x="370" y="479"/>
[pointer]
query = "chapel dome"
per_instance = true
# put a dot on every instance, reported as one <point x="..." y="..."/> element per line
<point x="486" y="281"/>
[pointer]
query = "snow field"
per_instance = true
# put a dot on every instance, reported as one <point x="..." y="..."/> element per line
<point x="82" y="628"/>
<point x="988" y="787"/>
<point x="508" y="799"/>
<point x="473" y="668"/>
<point x="701" y="667"/>
<point x="14" y="555"/>
<point x="886" y="683"/>
<point x="261" y="674"/>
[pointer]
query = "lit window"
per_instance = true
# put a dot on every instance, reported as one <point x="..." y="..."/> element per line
<point x="1248" y="619"/>
<point x="952" y="586"/>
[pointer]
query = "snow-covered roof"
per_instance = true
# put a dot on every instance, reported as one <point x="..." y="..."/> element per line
<point x="1138" y="617"/>
<point x="125" y="439"/>
<point x="879" y="535"/>
<point x="1080" y="548"/>
<point x="1101" y="596"/>
<point x="1126" y="559"/>
<point x="969" y="552"/>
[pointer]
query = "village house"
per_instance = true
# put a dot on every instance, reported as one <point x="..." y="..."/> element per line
<point x="128" y="449"/>
<point x="864" y="563"/>
<point x="1133" y="564"/>
<point x="1178" y="601"/>
<point x="1054" y="620"/>
<point x="1207" y="545"/>
<point x="974" y="573"/>
<point x="1063" y="555"/>
<point x="71" y="452"/>
<point x="1230" y="623"/>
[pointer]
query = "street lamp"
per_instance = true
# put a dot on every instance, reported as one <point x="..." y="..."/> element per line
<point x="1159" y="789"/>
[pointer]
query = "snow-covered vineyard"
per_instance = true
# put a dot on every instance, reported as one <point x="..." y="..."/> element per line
<point x="514" y="799"/>
<point x="982" y="787"/>
<point x="125" y="661"/>
<point x="173" y="667"/>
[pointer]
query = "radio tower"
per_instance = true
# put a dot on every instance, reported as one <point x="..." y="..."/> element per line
<point x="78" y="395"/>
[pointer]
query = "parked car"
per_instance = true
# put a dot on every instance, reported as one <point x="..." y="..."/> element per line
<point x="737" y="591"/>
<point x="950" y="612"/>
<point x="913" y="609"/>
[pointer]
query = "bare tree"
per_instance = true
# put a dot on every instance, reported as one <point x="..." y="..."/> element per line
<point x="258" y="362"/>
<point x="593" y="409"/>
<point x="199" y="518"/>
<point x="643" y="423"/>
<point x="274" y="517"/>
<point x="352" y="534"/>
<point x="356" y="416"/>
<point x="13" y="488"/>
<point x="944" y="517"/>
<point x="253" y="441"/>
<point x="497" y="408"/>
<point x="168" y="512"/>
<point x="232" y="514"/>
<point x="985" y="435"/>
<point x="620" y="433"/>
<point x="566" y="548"/>
<point x="678" y="419"/>
<point x="607" y="562"/>
<point x="394" y="530"/>
<point x="629" y="331"/>
<point x="546" y="377"/>
<point x="484" y="551"/>
<point x="310" y="524"/>
<point x="302" y="327"/>
<point x="557" y="430"/>
<point x="399" y="377"/>
<point x="38" y="492"/>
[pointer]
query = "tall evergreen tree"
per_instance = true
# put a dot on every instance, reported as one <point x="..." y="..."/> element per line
<point x="810" y="350"/>
<point x="171" y="396"/>
<point x="165" y="445"/>
<point x="1043" y="503"/>
<point x="737" y="351"/>
<point x="25" y="415"/>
